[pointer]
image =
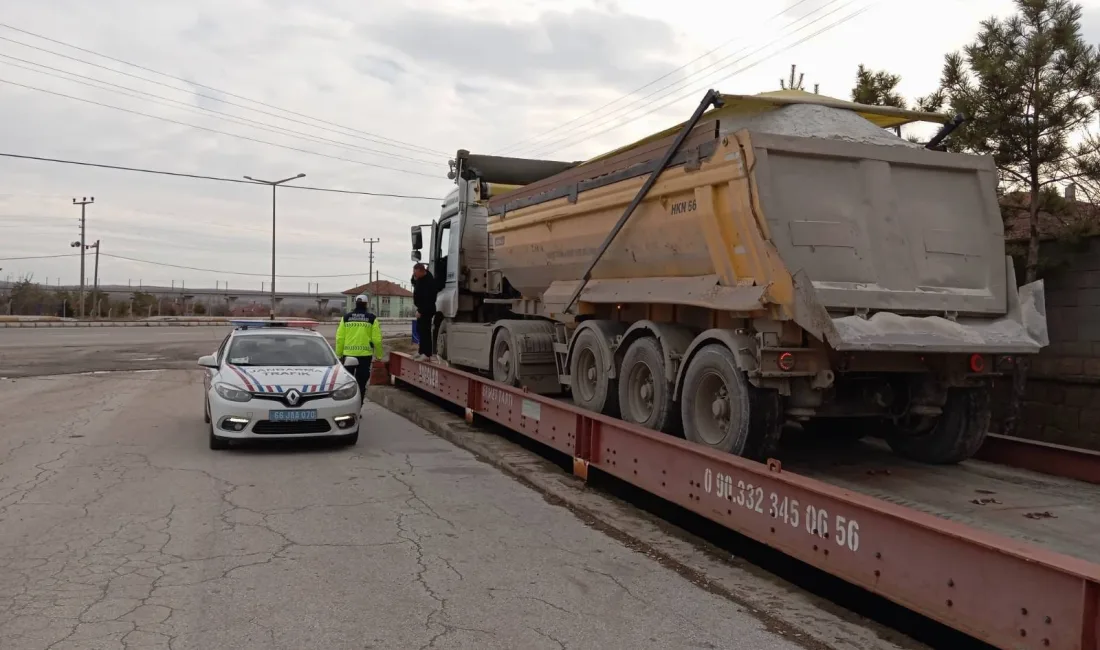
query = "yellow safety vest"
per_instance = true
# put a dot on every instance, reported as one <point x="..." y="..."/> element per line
<point x="359" y="335"/>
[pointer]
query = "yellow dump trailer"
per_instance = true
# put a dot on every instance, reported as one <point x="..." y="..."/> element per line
<point x="778" y="257"/>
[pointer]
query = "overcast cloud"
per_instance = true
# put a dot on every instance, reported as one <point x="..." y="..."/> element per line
<point x="435" y="75"/>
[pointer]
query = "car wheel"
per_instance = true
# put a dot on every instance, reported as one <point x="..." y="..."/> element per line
<point x="217" y="442"/>
<point x="206" y="411"/>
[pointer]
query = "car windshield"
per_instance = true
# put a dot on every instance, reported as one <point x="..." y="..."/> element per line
<point x="280" y="350"/>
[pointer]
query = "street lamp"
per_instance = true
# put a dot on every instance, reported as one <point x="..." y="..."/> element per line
<point x="273" y="185"/>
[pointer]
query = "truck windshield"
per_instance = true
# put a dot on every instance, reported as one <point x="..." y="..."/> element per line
<point x="280" y="350"/>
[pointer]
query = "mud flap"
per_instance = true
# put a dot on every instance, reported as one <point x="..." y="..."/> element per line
<point x="766" y="424"/>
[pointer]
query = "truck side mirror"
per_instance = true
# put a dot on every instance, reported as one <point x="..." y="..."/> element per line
<point x="416" y="256"/>
<point x="417" y="238"/>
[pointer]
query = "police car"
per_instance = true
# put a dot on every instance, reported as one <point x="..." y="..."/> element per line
<point x="278" y="379"/>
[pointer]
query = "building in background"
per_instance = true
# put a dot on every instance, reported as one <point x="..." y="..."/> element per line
<point x="388" y="299"/>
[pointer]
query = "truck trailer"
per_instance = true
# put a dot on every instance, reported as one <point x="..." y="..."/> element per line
<point x="777" y="258"/>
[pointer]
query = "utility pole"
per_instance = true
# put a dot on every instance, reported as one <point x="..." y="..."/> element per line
<point x="95" y="282"/>
<point x="273" y="184"/>
<point x="83" y="203"/>
<point x="371" y="243"/>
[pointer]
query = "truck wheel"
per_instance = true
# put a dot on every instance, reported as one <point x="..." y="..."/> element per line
<point x="440" y="347"/>
<point x="645" y="397"/>
<point x="715" y="401"/>
<point x="504" y="358"/>
<point x="957" y="435"/>
<point x="589" y="382"/>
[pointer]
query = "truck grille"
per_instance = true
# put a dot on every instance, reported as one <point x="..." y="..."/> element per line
<point x="267" y="427"/>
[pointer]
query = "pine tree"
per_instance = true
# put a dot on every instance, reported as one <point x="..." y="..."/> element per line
<point x="877" y="88"/>
<point x="1028" y="86"/>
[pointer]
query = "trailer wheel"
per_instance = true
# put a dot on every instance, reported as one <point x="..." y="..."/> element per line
<point x="956" y="436"/>
<point x="645" y="397"/>
<point x="715" y="401"/>
<point x="505" y="368"/>
<point x="592" y="387"/>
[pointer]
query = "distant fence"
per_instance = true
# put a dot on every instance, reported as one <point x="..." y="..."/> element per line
<point x="390" y="326"/>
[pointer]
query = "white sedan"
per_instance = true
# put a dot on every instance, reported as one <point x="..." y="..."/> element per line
<point x="279" y="379"/>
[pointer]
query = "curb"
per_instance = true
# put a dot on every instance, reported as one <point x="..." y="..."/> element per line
<point x="694" y="559"/>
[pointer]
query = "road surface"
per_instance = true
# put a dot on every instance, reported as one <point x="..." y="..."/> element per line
<point x="119" y="528"/>
<point x="43" y="351"/>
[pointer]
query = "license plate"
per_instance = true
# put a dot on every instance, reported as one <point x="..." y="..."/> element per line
<point x="292" y="416"/>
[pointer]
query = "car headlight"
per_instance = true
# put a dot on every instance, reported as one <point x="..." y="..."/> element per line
<point x="347" y="391"/>
<point x="232" y="393"/>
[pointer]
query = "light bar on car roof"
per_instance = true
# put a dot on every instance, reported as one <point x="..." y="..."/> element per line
<point x="258" y="323"/>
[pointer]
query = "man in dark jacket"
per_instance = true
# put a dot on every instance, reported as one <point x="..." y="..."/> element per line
<point x="424" y="294"/>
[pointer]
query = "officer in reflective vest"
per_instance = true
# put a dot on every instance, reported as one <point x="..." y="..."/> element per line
<point x="359" y="335"/>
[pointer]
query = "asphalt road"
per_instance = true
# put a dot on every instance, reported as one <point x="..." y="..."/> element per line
<point x="119" y="528"/>
<point x="26" y="352"/>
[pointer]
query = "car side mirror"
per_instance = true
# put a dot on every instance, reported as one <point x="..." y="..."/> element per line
<point x="351" y="362"/>
<point x="209" y="361"/>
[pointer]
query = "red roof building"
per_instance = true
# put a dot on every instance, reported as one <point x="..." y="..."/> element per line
<point x="387" y="299"/>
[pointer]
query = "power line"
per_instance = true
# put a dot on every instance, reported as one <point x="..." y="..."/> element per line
<point x="722" y="63"/>
<point x="534" y="139"/>
<point x="37" y="257"/>
<point x="221" y="179"/>
<point x="233" y="135"/>
<point x="623" y="114"/>
<point x="197" y="110"/>
<point x="369" y="136"/>
<point x="180" y="266"/>
<point x="589" y="134"/>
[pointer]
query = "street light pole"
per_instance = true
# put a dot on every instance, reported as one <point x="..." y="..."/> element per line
<point x="273" y="185"/>
<point x="83" y="203"/>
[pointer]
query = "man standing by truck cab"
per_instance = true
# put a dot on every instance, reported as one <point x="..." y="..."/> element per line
<point x="424" y="294"/>
<point x="359" y="335"/>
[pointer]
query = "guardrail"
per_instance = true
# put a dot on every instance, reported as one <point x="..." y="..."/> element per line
<point x="1003" y="592"/>
<point x="1042" y="457"/>
<point x="392" y="322"/>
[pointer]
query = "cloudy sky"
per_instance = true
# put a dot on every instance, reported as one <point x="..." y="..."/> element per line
<point x="372" y="97"/>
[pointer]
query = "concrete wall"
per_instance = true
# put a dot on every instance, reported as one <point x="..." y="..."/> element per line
<point x="1062" y="401"/>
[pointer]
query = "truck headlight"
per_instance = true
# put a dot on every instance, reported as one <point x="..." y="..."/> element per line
<point x="232" y="393"/>
<point x="347" y="391"/>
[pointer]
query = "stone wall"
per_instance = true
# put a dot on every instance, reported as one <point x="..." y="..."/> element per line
<point x="1062" y="401"/>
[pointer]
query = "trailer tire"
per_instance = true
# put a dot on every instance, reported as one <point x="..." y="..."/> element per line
<point x="645" y="396"/>
<point x="592" y="386"/>
<point x="956" y="436"/>
<point x="715" y="401"/>
<point x="503" y="361"/>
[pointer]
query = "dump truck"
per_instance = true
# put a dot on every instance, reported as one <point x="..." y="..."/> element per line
<point x="778" y="258"/>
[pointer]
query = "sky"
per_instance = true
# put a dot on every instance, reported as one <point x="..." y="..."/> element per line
<point x="372" y="101"/>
